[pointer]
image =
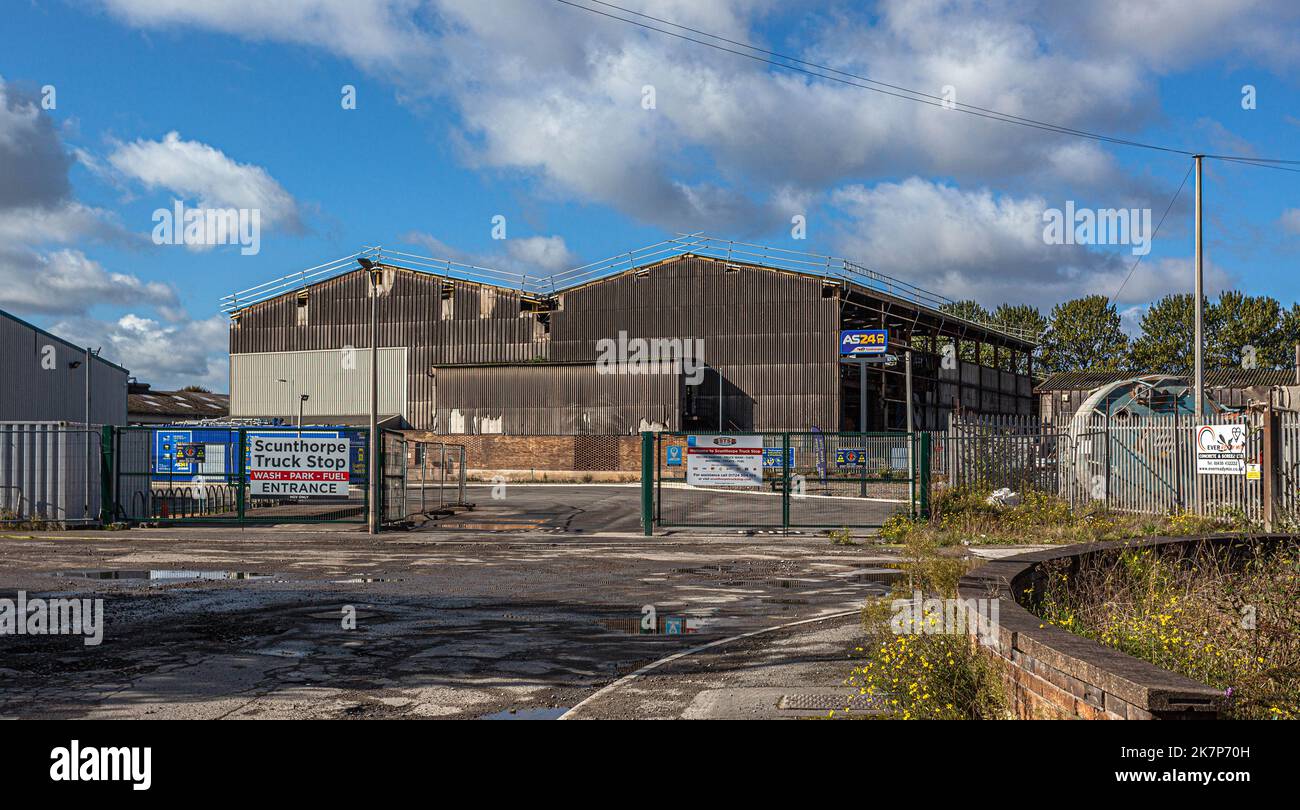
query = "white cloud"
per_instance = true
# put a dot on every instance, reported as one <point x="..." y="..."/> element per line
<point x="527" y="255"/>
<point x="166" y="355"/>
<point x="976" y="244"/>
<point x="201" y="172"/>
<point x="66" y="281"/>
<point x="376" y="34"/>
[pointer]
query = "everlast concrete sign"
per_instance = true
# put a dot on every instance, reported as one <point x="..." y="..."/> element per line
<point x="297" y="466"/>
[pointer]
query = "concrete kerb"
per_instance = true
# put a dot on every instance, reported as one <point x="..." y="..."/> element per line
<point x="653" y="665"/>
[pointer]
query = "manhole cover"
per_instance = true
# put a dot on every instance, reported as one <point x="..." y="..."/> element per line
<point x="828" y="701"/>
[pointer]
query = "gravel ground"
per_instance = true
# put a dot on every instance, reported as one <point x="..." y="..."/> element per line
<point x="456" y="624"/>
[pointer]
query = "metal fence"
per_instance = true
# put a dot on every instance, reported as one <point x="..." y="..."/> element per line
<point x="201" y="474"/>
<point x="814" y="480"/>
<point x="420" y="477"/>
<point x="1134" y="464"/>
<point x="49" y="473"/>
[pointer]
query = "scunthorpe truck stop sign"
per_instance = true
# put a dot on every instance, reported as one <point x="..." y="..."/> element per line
<point x="858" y="342"/>
<point x="297" y="466"/>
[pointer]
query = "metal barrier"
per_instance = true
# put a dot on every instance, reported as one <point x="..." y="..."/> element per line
<point x="50" y="473"/>
<point x="780" y="481"/>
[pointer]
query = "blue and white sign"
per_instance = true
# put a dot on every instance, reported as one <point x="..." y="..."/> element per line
<point x="673" y="626"/>
<point x="772" y="458"/>
<point x="858" y="342"/>
<point x="674" y="455"/>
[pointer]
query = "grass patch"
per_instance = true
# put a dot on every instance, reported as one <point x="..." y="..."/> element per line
<point x="965" y="517"/>
<point x="1231" y="624"/>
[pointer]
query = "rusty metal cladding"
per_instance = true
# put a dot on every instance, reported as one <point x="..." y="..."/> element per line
<point x="488" y="359"/>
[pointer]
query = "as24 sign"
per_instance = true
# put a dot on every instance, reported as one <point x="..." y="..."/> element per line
<point x="855" y="342"/>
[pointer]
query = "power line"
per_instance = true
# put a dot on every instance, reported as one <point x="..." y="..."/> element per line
<point x="1168" y="208"/>
<point x="853" y="80"/>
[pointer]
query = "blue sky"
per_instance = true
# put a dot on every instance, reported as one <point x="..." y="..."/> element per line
<point x="534" y="111"/>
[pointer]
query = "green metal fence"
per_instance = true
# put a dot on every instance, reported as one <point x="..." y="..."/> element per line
<point x="781" y="481"/>
<point x="200" y="474"/>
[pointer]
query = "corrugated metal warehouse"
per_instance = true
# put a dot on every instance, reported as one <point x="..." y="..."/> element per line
<point x="45" y="379"/>
<point x="475" y="351"/>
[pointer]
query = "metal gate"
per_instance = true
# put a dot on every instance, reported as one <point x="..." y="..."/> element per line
<point x="198" y="473"/>
<point x="806" y="480"/>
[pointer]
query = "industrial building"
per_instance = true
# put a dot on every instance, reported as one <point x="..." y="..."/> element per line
<point x="470" y="350"/>
<point x="145" y="406"/>
<point x="45" y="378"/>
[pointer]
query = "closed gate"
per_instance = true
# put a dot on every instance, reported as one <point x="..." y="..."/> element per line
<point x="195" y="473"/>
<point x="780" y="481"/>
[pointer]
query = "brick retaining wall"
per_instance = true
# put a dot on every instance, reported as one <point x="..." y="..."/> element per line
<point x="1053" y="673"/>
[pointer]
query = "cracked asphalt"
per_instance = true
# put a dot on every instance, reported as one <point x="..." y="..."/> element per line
<point x="459" y="623"/>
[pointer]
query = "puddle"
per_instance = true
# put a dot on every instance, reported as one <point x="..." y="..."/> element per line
<point x="527" y="714"/>
<point x="161" y="576"/>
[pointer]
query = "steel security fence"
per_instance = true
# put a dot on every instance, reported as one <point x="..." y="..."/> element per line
<point x="813" y="480"/>
<point x="50" y="473"/>
<point x="204" y="473"/>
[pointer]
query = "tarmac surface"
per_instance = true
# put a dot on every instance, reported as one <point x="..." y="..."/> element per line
<point x="520" y="608"/>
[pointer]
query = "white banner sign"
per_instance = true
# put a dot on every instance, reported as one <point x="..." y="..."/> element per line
<point x="1221" y="449"/>
<point x="724" y="461"/>
<point x="290" y="465"/>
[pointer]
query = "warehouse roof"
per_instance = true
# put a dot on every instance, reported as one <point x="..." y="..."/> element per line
<point x="829" y="268"/>
<point x="180" y="404"/>
<point x="1218" y="378"/>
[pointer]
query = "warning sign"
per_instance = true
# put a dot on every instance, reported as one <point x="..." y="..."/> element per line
<point x="724" y="461"/>
<point x="297" y="466"/>
<point x="1221" y="449"/>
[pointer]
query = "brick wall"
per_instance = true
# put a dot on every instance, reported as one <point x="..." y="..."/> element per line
<point x="1050" y="673"/>
<point x="576" y="453"/>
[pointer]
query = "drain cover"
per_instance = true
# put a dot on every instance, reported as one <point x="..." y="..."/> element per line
<point x="825" y="702"/>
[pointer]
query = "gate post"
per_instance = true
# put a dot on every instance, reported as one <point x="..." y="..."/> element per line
<point x="785" y="482"/>
<point x="647" y="483"/>
<point x="922" y="482"/>
<point x="1269" y="468"/>
<point x="107" y="483"/>
<point x="240" y="484"/>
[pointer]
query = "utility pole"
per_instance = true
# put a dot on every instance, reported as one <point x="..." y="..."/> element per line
<point x="1199" y="382"/>
<point x="373" y="482"/>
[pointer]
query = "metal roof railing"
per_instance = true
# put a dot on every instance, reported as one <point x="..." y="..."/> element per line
<point x="699" y="244"/>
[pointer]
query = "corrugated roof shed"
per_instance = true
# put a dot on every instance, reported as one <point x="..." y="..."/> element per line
<point x="1217" y="378"/>
<point x="179" y="404"/>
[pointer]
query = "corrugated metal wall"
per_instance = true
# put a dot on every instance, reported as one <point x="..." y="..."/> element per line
<point x="337" y="382"/>
<point x="483" y="359"/>
<point x="33" y="393"/>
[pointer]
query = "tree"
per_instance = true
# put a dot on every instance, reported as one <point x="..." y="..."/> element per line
<point x="1165" y="345"/>
<point x="1084" y="334"/>
<point x="971" y="311"/>
<point x="1245" y="331"/>
<point x="1021" y="320"/>
<point x="1239" y="330"/>
<point x="197" y="389"/>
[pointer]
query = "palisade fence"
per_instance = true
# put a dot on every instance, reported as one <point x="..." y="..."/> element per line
<point x="1133" y="464"/>
<point x="49" y="473"/>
